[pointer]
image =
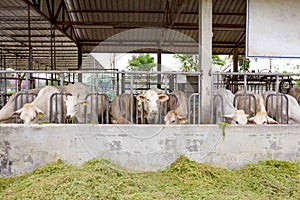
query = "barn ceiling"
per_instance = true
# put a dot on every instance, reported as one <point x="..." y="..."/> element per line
<point x="58" y="28"/>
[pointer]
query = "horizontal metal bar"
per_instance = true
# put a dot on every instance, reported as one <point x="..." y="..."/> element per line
<point x="100" y="71"/>
<point x="255" y="73"/>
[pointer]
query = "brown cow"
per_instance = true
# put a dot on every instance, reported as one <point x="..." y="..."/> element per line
<point x="179" y="111"/>
<point x="123" y="109"/>
<point x="295" y="92"/>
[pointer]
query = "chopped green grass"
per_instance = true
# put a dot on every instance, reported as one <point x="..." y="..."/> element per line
<point x="184" y="179"/>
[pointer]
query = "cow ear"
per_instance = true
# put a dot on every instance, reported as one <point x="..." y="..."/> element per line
<point x="271" y="121"/>
<point x="229" y="116"/>
<point x="40" y="113"/>
<point x="165" y="118"/>
<point x="141" y="97"/>
<point x="84" y="102"/>
<point x="182" y="120"/>
<point x="17" y="113"/>
<point x="163" y="97"/>
<point x="251" y="120"/>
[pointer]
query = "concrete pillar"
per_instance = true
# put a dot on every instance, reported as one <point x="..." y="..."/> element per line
<point x="205" y="52"/>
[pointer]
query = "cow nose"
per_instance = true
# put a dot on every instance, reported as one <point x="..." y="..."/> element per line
<point x="154" y="112"/>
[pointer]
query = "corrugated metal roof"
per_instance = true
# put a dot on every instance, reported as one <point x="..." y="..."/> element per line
<point x="88" y="23"/>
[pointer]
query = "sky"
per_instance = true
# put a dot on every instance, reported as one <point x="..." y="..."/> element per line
<point x="172" y="64"/>
<point x="121" y="61"/>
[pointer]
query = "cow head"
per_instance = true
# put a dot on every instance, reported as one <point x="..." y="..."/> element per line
<point x="238" y="117"/>
<point x="29" y="113"/>
<point x="173" y="118"/>
<point x="152" y="102"/>
<point x="262" y="118"/>
<point x="73" y="105"/>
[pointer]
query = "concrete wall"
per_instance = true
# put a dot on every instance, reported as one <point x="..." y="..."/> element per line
<point x="142" y="147"/>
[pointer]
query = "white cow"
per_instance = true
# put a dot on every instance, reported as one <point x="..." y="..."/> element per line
<point x="9" y="108"/>
<point x="179" y="112"/>
<point x="76" y="108"/>
<point x="76" y="103"/>
<point x="152" y="104"/>
<point x="261" y="116"/>
<point x="30" y="113"/>
<point x="293" y="108"/>
<point x="230" y="113"/>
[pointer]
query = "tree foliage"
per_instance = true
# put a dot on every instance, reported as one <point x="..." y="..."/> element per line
<point x="216" y="60"/>
<point x="189" y="62"/>
<point x="244" y="63"/>
<point x="142" y="62"/>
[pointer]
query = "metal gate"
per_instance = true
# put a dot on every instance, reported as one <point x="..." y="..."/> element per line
<point x="98" y="108"/>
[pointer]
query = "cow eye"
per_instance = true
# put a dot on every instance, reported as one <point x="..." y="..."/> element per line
<point x="236" y="122"/>
<point x="148" y="100"/>
<point x="173" y="121"/>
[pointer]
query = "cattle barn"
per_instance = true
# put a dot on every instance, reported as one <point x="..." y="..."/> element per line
<point x="58" y="102"/>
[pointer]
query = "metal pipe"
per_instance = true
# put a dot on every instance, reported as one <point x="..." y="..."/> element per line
<point x="199" y="98"/>
<point x="159" y="68"/>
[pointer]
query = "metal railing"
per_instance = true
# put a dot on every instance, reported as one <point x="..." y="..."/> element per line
<point x="112" y="83"/>
<point x="98" y="108"/>
<point x="24" y="97"/>
<point x="258" y="83"/>
<point x="109" y="84"/>
<point x="277" y="105"/>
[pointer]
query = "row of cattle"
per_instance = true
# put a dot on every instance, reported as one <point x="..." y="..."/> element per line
<point x="77" y="102"/>
<point x="72" y="103"/>
<point x="246" y="107"/>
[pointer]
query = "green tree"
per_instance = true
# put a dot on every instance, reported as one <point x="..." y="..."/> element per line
<point x="142" y="62"/>
<point x="189" y="62"/>
<point x="216" y="60"/>
<point x="244" y="63"/>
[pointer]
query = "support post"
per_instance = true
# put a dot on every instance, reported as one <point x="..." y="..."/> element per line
<point x="51" y="53"/>
<point x="235" y="67"/>
<point x="29" y="81"/>
<point x="235" y="60"/>
<point x="79" y="62"/>
<point x="205" y="52"/>
<point x="159" y="69"/>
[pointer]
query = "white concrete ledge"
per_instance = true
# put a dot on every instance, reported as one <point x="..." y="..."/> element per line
<point x="144" y="147"/>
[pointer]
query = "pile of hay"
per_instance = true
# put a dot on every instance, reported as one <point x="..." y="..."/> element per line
<point x="184" y="179"/>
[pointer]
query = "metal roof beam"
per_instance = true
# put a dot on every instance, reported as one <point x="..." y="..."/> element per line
<point x="36" y="41"/>
<point x="13" y="8"/>
<point x="34" y="35"/>
<point x="148" y="12"/>
<point x="39" y="46"/>
<point x="51" y="11"/>
<point x="127" y="25"/>
<point x="24" y="28"/>
<point x="22" y="19"/>
<point x="15" y="40"/>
